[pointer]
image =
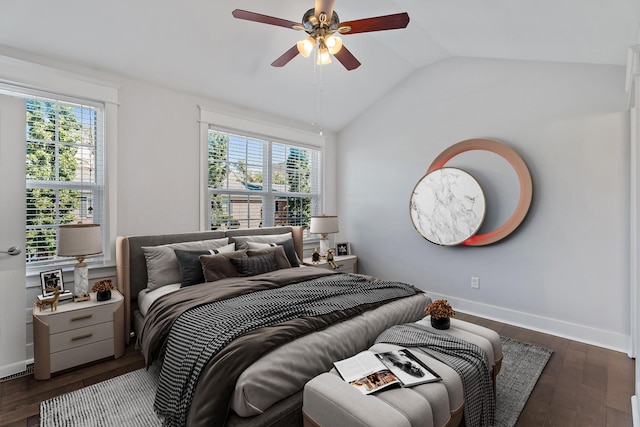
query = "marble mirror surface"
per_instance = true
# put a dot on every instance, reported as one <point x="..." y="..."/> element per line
<point x="447" y="206"/>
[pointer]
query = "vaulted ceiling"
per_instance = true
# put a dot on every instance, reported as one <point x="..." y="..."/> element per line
<point x="196" y="46"/>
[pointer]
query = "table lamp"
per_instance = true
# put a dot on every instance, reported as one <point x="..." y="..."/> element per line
<point x="80" y="240"/>
<point x="323" y="225"/>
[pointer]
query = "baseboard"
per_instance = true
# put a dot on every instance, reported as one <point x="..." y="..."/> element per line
<point x="572" y="331"/>
<point x="13" y="369"/>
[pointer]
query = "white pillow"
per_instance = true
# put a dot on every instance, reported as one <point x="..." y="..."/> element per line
<point x="162" y="264"/>
<point x="231" y="247"/>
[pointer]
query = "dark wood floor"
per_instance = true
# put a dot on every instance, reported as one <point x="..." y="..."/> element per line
<point x="582" y="385"/>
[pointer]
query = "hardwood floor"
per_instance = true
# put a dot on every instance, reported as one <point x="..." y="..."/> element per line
<point x="582" y="385"/>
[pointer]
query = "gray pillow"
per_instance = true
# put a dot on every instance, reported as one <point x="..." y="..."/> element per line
<point x="190" y="267"/>
<point x="255" y="265"/>
<point x="241" y="241"/>
<point x="218" y="267"/>
<point x="286" y="243"/>
<point x="162" y="264"/>
<point x="278" y="253"/>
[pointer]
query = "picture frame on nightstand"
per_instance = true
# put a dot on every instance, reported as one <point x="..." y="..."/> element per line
<point x="51" y="279"/>
<point x="343" y="248"/>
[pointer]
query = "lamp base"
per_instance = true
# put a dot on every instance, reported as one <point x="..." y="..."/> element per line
<point x="81" y="283"/>
<point x="324" y="246"/>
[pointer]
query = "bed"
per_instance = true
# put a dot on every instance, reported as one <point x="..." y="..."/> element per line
<point x="254" y="376"/>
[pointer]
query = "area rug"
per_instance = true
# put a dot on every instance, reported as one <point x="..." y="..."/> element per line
<point x="127" y="400"/>
<point x="522" y="364"/>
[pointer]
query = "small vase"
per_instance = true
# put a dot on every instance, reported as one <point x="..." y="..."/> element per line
<point x="103" y="296"/>
<point x="441" y="323"/>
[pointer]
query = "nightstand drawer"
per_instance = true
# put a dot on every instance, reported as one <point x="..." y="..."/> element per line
<point x="81" y="355"/>
<point x="345" y="266"/>
<point x="80" y="337"/>
<point x="80" y="318"/>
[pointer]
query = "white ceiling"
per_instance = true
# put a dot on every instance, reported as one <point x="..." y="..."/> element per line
<point x="196" y="46"/>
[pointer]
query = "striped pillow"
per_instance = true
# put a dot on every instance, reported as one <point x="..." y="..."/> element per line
<point x="252" y="266"/>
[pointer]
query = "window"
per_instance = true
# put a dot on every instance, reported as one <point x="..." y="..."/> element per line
<point x="65" y="173"/>
<point x="259" y="182"/>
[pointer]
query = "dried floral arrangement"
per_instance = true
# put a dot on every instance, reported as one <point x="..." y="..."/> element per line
<point x="439" y="309"/>
<point x="102" y="285"/>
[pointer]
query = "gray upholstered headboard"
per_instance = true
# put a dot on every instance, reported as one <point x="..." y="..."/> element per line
<point x="131" y="266"/>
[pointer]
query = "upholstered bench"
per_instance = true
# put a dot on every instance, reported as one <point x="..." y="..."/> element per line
<point x="330" y="402"/>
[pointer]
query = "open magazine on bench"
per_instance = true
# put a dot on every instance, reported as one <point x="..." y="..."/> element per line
<point x="370" y="372"/>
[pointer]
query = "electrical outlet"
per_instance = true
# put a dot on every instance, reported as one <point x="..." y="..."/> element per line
<point x="475" y="282"/>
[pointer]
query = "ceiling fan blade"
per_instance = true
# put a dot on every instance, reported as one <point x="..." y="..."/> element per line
<point x="378" y="23"/>
<point x="347" y="59"/>
<point x="325" y="6"/>
<point x="264" y="19"/>
<point x="286" y="57"/>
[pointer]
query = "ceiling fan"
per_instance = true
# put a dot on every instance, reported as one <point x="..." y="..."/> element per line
<point x="321" y="23"/>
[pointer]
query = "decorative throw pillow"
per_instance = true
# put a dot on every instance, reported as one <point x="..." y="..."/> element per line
<point x="162" y="264"/>
<point x="277" y="251"/>
<point x="242" y="241"/>
<point x="255" y="265"/>
<point x="218" y="267"/>
<point x="231" y="247"/>
<point x="190" y="267"/>
<point x="287" y="244"/>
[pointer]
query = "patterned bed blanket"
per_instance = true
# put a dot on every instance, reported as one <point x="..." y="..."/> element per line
<point x="213" y="333"/>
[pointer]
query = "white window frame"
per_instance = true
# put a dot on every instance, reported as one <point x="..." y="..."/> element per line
<point x="259" y="130"/>
<point x="28" y="77"/>
<point x="97" y="188"/>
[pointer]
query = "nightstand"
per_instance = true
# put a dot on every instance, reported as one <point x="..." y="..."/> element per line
<point x="346" y="263"/>
<point x="77" y="333"/>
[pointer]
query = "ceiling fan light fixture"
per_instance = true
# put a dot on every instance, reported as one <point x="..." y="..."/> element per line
<point x="321" y="28"/>
<point x="323" y="55"/>
<point x="305" y="47"/>
<point x="334" y="44"/>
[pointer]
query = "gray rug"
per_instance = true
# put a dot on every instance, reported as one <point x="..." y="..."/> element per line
<point x="127" y="400"/>
<point x="522" y="364"/>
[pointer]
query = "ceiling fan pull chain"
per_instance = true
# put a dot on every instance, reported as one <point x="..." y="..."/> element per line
<point x="317" y="95"/>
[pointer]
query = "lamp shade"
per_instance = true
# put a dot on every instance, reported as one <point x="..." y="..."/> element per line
<point x="324" y="224"/>
<point x="323" y="56"/>
<point x="305" y="47"/>
<point x="79" y="240"/>
<point x="334" y="44"/>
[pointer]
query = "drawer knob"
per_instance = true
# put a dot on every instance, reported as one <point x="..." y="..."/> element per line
<point x="81" y="337"/>
<point x="86" y="316"/>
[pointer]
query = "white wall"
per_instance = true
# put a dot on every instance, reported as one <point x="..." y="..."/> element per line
<point x="565" y="270"/>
